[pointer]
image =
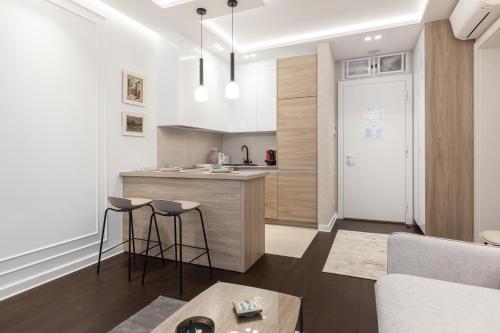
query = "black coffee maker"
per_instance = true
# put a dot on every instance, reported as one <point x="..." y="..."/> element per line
<point x="271" y="157"/>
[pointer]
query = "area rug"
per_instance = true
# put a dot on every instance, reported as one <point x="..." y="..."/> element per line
<point x="359" y="254"/>
<point x="288" y="241"/>
<point x="148" y="318"/>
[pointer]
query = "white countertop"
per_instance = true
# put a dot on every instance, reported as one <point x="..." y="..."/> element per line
<point x="198" y="174"/>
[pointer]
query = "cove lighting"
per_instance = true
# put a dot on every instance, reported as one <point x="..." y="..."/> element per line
<point x="390" y="22"/>
<point x="170" y="3"/>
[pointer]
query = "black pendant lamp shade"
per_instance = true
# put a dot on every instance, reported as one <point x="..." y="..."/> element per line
<point x="201" y="94"/>
<point x="232" y="89"/>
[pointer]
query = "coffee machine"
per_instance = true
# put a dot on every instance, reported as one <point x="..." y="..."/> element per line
<point x="271" y="157"/>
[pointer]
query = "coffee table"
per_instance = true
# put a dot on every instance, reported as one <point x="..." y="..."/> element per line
<point x="280" y="312"/>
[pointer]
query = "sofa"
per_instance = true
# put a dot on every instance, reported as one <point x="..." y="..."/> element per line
<point x="435" y="285"/>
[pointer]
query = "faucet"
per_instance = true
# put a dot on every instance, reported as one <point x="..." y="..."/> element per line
<point x="247" y="159"/>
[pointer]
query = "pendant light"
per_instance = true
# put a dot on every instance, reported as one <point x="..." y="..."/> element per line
<point x="232" y="89"/>
<point x="201" y="93"/>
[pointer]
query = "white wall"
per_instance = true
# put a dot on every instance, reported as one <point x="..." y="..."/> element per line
<point x="62" y="149"/>
<point x="419" y="132"/>
<point x="327" y="138"/>
<point x="486" y="133"/>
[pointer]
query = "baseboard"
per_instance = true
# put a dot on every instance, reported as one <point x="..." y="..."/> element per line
<point x="329" y="226"/>
<point x="50" y="275"/>
<point x="289" y="223"/>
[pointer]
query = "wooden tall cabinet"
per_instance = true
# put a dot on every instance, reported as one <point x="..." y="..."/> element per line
<point x="297" y="141"/>
<point x="297" y="133"/>
<point x="444" y="120"/>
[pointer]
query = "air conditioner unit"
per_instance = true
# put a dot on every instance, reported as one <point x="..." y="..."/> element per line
<point x="471" y="18"/>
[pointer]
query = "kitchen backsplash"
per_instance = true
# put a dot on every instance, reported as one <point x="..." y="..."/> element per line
<point x="257" y="144"/>
<point x="185" y="148"/>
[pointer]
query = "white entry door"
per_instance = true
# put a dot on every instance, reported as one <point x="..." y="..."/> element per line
<point x="375" y="135"/>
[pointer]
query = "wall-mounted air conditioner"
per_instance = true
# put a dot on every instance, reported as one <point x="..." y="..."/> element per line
<point x="472" y="17"/>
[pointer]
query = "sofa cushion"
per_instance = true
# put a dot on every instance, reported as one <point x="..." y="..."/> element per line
<point x="412" y="304"/>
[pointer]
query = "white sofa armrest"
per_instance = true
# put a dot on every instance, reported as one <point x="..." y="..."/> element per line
<point x="443" y="259"/>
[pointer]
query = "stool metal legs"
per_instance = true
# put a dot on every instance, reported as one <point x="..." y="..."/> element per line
<point x="180" y="252"/>
<point x="131" y="238"/>
<point x="205" y="238"/>
<point x="130" y="228"/>
<point x="102" y="240"/>
<point x="175" y="239"/>
<point x="131" y="223"/>
<point x="151" y="219"/>
<point x="177" y="243"/>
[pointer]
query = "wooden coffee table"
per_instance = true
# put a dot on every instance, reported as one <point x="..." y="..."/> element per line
<point x="280" y="312"/>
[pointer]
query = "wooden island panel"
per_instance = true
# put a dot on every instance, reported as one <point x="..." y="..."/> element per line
<point x="233" y="211"/>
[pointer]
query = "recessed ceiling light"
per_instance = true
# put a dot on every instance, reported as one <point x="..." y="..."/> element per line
<point x="217" y="46"/>
<point x="253" y="55"/>
<point x="377" y="37"/>
<point x="246" y="56"/>
<point x="368" y="38"/>
<point x="170" y="3"/>
<point x="332" y="32"/>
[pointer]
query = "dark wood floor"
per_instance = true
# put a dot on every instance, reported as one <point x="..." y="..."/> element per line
<point x="87" y="302"/>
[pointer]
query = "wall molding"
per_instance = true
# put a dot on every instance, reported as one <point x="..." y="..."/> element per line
<point x="328" y="227"/>
<point x="57" y="272"/>
<point x="95" y="19"/>
<point x="26" y="270"/>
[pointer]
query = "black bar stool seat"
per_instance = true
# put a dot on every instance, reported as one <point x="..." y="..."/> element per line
<point x="128" y="205"/>
<point x="175" y="209"/>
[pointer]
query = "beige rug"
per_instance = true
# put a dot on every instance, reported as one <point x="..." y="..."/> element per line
<point x="288" y="241"/>
<point x="359" y="254"/>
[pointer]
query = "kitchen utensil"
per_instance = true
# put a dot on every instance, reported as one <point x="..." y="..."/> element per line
<point x="220" y="158"/>
<point x="213" y="156"/>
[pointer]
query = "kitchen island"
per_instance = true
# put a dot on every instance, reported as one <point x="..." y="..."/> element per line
<point x="232" y="206"/>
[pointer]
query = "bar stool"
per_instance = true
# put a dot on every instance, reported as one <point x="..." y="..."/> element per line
<point x="176" y="209"/>
<point x="128" y="205"/>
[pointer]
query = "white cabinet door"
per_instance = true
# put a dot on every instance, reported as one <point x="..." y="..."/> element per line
<point x="188" y="82"/>
<point x="245" y="107"/>
<point x="266" y="97"/>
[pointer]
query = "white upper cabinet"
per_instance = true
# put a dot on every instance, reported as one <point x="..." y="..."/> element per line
<point x="266" y="97"/>
<point x="177" y="106"/>
<point x="255" y="110"/>
<point x="356" y="68"/>
<point x="245" y="107"/>
<point x="380" y="65"/>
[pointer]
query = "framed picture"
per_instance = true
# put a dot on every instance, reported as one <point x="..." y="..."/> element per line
<point x="133" y="88"/>
<point x="132" y="124"/>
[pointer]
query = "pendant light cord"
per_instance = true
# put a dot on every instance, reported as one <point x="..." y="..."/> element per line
<point x="201" y="36"/>
<point x="232" y="29"/>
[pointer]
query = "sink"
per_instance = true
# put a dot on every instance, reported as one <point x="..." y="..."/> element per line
<point x="252" y="167"/>
<point x="241" y="165"/>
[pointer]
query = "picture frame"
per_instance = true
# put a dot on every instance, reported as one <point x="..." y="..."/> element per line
<point x="133" y="124"/>
<point x="133" y="88"/>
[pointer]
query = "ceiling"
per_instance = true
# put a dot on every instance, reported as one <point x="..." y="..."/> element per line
<point x="277" y="27"/>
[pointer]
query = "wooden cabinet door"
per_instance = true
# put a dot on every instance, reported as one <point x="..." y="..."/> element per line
<point x="297" y="196"/>
<point x="272" y="195"/>
<point x="297" y="77"/>
<point x="297" y="133"/>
